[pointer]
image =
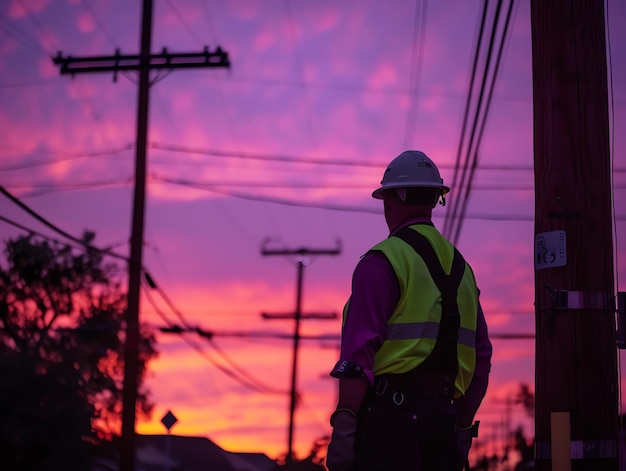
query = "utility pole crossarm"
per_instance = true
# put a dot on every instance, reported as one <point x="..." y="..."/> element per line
<point x="328" y="315"/>
<point x="301" y="251"/>
<point x="127" y="62"/>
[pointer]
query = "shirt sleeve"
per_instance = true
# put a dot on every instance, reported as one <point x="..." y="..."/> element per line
<point x="466" y="406"/>
<point x="374" y="296"/>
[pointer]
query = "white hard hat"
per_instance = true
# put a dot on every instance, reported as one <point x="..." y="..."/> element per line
<point x="410" y="169"/>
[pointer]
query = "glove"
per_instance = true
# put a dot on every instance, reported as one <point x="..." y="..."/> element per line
<point x="463" y="445"/>
<point x="340" y="456"/>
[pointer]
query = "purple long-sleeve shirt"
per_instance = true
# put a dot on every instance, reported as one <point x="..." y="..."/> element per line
<point x="375" y="294"/>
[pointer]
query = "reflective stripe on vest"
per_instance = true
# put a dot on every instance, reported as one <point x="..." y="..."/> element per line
<point x="428" y="330"/>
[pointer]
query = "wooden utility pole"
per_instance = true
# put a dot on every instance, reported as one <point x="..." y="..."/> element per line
<point x="576" y="419"/>
<point x="144" y="63"/>
<point x="301" y="257"/>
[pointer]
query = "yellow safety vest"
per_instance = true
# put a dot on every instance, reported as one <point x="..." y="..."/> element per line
<point x="412" y="330"/>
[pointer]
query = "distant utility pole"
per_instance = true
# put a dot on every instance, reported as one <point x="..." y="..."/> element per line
<point x="301" y="257"/>
<point x="576" y="421"/>
<point x="144" y="63"/>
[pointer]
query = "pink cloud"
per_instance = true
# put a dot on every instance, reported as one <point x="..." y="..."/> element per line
<point x="86" y="23"/>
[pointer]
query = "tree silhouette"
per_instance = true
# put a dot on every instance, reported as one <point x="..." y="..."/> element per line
<point x="61" y="354"/>
<point x="526" y="398"/>
<point x="525" y="449"/>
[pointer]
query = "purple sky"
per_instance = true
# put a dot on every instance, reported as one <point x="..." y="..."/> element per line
<point x="327" y="82"/>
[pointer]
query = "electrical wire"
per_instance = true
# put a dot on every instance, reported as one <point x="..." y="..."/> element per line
<point x="317" y="185"/>
<point x="38" y="84"/>
<point x="612" y="140"/>
<point x="311" y="128"/>
<point x="28" y="230"/>
<point x="44" y="36"/>
<point x="450" y="230"/>
<point x="46" y="39"/>
<point x="417" y="58"/>
<point x="247" y="381"/>
<point x="61" y="157"/>
<point x="238" y="373"/>
<point x="310" y="160"/>
<point x="241" y="376"/>
<point x="454" y="218"/>
<point x="207" y="186"/>
<point x="57" y="229"/>
<point x="470" y="94"/>
<point x="183" y="21"/>
<point x="225" y="113"/>
<point x="42" y="188"/>
<point x="465" y="198"/>
<point x="95" y="17"/>
<point x="14" y="32"/>
<point x="615" y="270"/>
<point x="129" y="76"/>
<point x="241" y="380"/>
<point x="335" y="207"/>
<point x="262" y="156"/>
<point x="64" y="156"/>
<point x="257" y="184"/>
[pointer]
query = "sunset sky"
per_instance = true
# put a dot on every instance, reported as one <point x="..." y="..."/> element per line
<point x="280" y="151"/>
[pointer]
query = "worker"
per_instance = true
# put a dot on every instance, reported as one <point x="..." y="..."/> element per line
<point x="415" y="352"/>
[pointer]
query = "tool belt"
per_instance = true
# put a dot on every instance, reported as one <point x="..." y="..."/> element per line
<point x="422" y="382"/>
<point x="409" y="390"/>
<point x="383" y="394"/>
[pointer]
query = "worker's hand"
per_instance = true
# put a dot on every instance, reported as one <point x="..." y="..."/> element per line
<point x="463" y="445"/>
<point x="340" y="456"/>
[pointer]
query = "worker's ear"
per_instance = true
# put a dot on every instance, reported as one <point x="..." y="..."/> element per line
<point x="402" y="194"/>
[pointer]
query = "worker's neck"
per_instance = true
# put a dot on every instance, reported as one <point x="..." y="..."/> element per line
<point x="407" y="218"/>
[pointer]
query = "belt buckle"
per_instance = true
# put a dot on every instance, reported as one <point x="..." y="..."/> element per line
<point x="381" y="387"/>
<point x="398" y="398"/>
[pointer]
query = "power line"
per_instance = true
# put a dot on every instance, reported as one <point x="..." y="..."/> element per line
<point x="239" y="375"/>
<point x="339" y="207"/>
<point x="176" y="329"/>
<point x="56" y="228"/>
<point x="454" y="220"/>
<point x="262" y="156"/>
<point x="207" y="184"/>
<point x="248" y="379"/>
<point x="95" y="17"/>
<point x="315" y="160"/>
<point x="300" y="203"/>
<point x="33" y="19"/>
<point x="61" y="186"/>
<point x="183" y="22"/>
<point x="457" y="166"/>
<point x="31" y="84"/>
<point x="512" y="186"/>
<point x="235" y="154"/>
<point x="62" y="157"/>
<point x="417" y="58"/>
<point x="20" y="36"/>
<point x="468" y="188"/>
<point x="291" y="26"/>
<point x="152" y="285"/>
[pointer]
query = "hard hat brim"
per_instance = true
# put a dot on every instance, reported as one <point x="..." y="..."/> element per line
<point x="378" y="193"/>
